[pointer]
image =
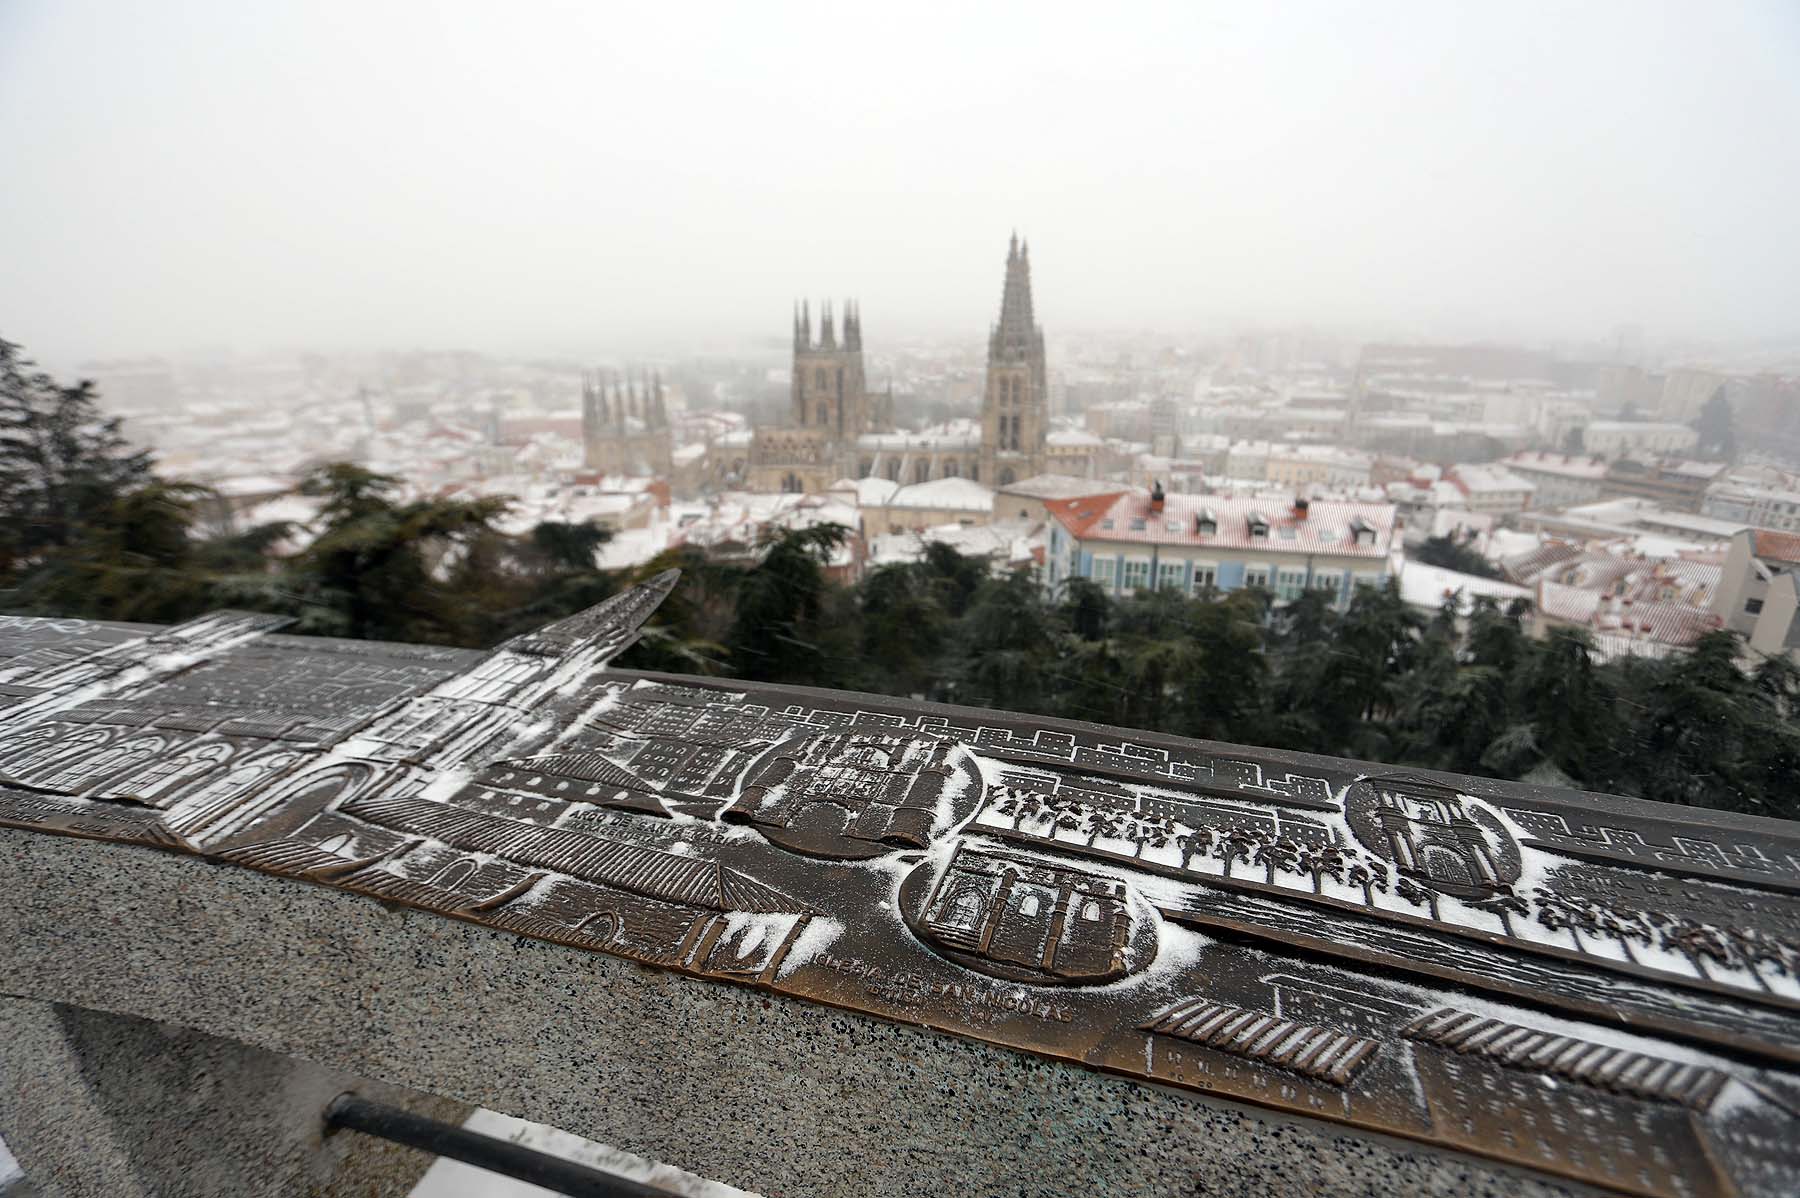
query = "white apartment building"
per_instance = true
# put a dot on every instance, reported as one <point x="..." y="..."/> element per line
<point x="1614" y="438"/>
<point x="1562" y="480"/>
<point x="1491" y="489"/>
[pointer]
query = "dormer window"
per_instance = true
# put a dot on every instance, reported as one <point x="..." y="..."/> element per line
<point x="1207" y="524"/>
<point x="1259" y="531"/>
<point x="1138" y="524"/>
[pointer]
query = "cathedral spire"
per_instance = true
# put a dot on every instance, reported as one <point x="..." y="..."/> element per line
<point x="802" y="333"/>
<point x="827" y="338"/>
<point x="852" y="325"/>
<point x="1016" y="331"/>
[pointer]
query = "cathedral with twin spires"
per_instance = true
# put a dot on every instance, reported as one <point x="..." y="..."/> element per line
<point x="837" y="429"/>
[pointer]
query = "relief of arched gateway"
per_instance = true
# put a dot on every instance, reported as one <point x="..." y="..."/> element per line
<point x="858" y="792"/>
<point x="1026" y="919"/>
<point x="304" y="795"/>
<point x="1434" y="834"/>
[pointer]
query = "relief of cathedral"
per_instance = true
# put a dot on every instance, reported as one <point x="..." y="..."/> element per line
<point x="854" y="794"/>
<point x="1023" y="918"/>
<point x="1432" y="833"/>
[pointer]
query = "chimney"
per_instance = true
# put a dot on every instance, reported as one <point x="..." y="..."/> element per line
<point x="1156" y="497"/>
<point x="1301" y="505"/>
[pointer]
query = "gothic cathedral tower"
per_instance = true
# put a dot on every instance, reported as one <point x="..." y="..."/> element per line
<point x="1015" y="410"/>
<point x="828" y="389"/>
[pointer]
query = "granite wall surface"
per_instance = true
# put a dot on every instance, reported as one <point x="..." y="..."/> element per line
<point x="774" y="1095"/>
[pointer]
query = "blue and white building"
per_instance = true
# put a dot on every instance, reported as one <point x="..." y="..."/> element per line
<point x="1135" y="541"/>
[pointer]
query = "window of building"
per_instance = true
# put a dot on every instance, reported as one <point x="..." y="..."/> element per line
<point x="1256" y="576"/>
<point x="1105" y="571"/>
<point x="1207" y="526"/>
<point x="1259" y="532"/>
<point x="1137" y="574"/>
<point x="1090" y="911"/>
<point x="1169" y="575"/>
<point x="1205" y="578"/>
<point x="1106" y="523"/>
<point x="1138" y="524"/>
<point x="1028" y="905"/>
<point x="1752" y="606"/>
<point x="819" y="378"/>
<point x="1289" y="583"/>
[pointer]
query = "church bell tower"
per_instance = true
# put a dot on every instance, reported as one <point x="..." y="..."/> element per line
<point x="829" y="391"/>
<point x="1015" y="410"/>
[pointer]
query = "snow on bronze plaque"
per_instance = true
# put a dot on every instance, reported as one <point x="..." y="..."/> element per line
<point x="1601" y="989"/>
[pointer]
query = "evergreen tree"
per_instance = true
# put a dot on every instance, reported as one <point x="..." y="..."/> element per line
<point x="1714" y="426"/>
<point x="62" y="463"/>
<point x="1007" y="648"/>
<point x="1572" y="708"/>
<point x="386" y="568"/>
<point x="1447" y="553"/>
<point x="904" y="628"/>
<point x="777" y="633"/>
<point x="1709" y="736"/>
<point x="133" y="558"/>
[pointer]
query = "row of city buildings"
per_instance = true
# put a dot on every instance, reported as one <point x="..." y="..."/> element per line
<point x="1584" y="486"/>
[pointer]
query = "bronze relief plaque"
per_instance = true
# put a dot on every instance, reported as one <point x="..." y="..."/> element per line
<point x="1601" y="989"/>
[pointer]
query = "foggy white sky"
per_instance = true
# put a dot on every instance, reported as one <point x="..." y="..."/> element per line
<point x="584" y="177"/>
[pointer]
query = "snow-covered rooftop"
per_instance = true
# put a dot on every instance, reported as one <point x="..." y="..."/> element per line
<point x="946" y="494"/>
<point x="1428" y="586"/>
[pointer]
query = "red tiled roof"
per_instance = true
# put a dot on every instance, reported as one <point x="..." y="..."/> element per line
<point x="1621" y="576"/>
<point x="1328" y="526"/>
<point x="1528" y="565"/>
<point x="1782" y="546"/>
<point x="1666" y="623"/>
<point x="1076" y="514"/>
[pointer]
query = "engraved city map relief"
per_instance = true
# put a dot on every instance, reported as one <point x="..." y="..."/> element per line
<point x="1601" y="989"/>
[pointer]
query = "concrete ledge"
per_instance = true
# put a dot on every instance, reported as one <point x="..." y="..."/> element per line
<point x="769" y="1094"/>
<point x="104" y="1104"/>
